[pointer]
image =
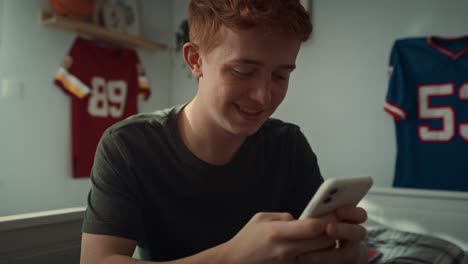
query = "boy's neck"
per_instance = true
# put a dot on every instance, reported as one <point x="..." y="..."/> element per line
<point x="205" y="139"/>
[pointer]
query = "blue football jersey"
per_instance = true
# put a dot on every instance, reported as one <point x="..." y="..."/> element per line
<point x="428" y="97"/>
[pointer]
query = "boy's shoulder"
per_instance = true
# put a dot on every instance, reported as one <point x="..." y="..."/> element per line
<point x="156" y="120"/>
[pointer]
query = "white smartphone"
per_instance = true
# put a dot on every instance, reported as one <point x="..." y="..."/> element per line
<point x="335" y="193"/>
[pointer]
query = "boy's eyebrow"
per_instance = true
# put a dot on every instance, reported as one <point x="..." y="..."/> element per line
<point x="258" y="63"/>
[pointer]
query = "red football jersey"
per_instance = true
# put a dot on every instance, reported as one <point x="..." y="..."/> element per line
<point x="104" y="83"/>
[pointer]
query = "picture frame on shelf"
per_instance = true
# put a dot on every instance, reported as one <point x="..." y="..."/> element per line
<point x="109" y="16"/>
<point x="132" y="15"/>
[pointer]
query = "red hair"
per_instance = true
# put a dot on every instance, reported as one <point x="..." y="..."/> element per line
<point x="205" y="17"/>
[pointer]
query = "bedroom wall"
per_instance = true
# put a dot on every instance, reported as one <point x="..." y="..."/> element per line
<point x="336" y="93"/>
<point x="35" y="129"/>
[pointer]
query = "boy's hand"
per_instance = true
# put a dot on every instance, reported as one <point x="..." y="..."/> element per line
<point x="347" y="227"/>
<point x="278" y="238"/>
<point x="349" y="253"/>
<point x="349" y="233"/>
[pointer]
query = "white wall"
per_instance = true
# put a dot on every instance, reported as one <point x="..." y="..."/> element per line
<point x="336" y="93"/>
<point x="183" y="86"/>
<point x="341" y="80"/>
<point x="35" y="166"/>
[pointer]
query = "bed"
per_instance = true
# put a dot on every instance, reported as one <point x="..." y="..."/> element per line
<point x="417" y="226"/>
<point x="396" y="246"/>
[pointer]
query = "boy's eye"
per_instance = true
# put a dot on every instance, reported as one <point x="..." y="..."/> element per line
<point x="280" y="76"/>
<point x="241" y="73"/>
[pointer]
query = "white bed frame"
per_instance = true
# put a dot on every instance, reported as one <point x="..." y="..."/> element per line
<point x="438" y="213"/>
<point x="41" y="238"/>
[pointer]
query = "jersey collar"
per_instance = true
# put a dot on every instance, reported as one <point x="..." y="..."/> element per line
<point x="439" y="43"/>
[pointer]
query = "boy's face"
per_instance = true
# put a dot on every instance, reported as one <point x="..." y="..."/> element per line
<point x="245" y="78"/>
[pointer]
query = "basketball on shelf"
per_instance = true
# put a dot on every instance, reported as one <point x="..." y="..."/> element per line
<point x="75" y="9"/>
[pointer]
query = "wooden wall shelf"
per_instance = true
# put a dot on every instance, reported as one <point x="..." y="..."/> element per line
<point x="57" y="21"/>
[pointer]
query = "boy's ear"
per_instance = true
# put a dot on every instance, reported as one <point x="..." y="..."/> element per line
<point x="192" y="59"/>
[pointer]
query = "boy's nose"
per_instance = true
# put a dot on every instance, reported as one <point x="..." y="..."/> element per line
<point x="261" y="93"/>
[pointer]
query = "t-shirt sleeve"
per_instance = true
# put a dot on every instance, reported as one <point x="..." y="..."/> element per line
<point x="69" y="75"/>
<point x="397" y="100"/>
<point x="306" y="172"/>
<point x="112" y="207"/>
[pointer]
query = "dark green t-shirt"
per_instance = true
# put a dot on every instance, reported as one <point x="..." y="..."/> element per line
<point x="147" y="186"/>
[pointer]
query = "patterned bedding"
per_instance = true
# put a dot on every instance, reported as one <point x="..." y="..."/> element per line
<point x="412" y="248"/>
